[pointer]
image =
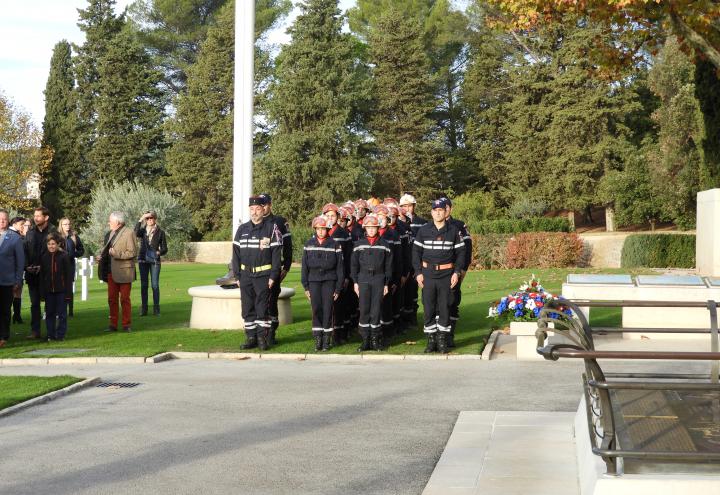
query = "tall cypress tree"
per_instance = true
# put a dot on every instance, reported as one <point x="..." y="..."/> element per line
<point x="408" y="158"/>
<point x="64" y="189"/>
<point x="315" y="156"/>
<point x="129" y="143"/>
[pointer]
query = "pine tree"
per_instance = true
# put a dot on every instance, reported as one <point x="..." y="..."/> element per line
<point x="65" y="189"/>
<point x="408" y="158"/>
<point x="129" y="143"/>
<point x="315" y="154"/>
<point x="199" y="160"/>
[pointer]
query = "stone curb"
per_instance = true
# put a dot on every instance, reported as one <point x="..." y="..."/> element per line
<point x="240" y="356"/>
<point x="88" y="382"/>
<point x="490" y="346"/>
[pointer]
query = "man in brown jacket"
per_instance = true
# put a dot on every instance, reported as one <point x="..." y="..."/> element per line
<point x="122" y="252"/>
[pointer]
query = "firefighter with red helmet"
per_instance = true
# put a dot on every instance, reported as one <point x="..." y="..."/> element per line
<point x="331" y="212"/>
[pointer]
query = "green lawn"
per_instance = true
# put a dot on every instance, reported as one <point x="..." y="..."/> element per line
<point x="17" y="389"/>
<point x="169" y="332"/>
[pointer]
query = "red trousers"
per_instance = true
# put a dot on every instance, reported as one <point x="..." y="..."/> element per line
<point x="123" y="291"/>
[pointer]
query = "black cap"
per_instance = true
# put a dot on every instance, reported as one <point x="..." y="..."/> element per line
<point x="447" y="201"/>
<point x="266" y="197"/>
<point x="439" y="203"/>
<point x="256" y="200"/>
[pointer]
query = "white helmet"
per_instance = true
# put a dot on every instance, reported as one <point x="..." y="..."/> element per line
<point x="407" y="199"/>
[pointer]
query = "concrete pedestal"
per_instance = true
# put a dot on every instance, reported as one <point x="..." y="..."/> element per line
<point x="707" y="241"/>
<point x="215" y="308"/>
<point x="524" y="331"/>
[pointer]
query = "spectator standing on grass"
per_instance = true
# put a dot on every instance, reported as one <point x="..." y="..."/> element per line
<point x="153" y="245"/>
<point x="117" y="268"/>
<point x="56" y="279"/>
<point x="12" y="264"/>
<point x="74" y="249"/>
<point x="17" y="224"/>
<point x="35" y="247"/>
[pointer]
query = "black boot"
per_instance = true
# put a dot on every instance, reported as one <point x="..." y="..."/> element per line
<point x="271" y="337"/>
<point x="451" y="335"/>
<point x="365" y="346"/>
<point x="376" y="341"/>
<point x="442" y="342"/>
<point x="250" y="342"/>
<point x="318" y="341"/>
<point x="262" y="340"/>
<point x="143" y="310"/>
<point x="431" y="343"/>
<point x="326" y="341"/>
<point x="156" y="310"/>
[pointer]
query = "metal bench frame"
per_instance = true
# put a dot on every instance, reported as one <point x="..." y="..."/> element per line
<point x="598" y="384"/>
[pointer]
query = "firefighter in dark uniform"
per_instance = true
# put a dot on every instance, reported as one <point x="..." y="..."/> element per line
<point x="371" y="270"/>
<point x="286" y="261"/>
<point x="362" y="208"/>
<point x="438" y="258"/>
<point x="347" y="221"/>
<point x="414" y="222"/>
<point x="322" y="277"/>
<point x="256" y="265"/>
<point x="392" y="238"/>
<point x="457" y="291"/>
<point x="398" y="297"/>
<point x="342" y="238"/>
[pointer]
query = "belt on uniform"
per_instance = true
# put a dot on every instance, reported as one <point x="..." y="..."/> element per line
<point x="435" y="267"/>
<point x="255" y="269"/>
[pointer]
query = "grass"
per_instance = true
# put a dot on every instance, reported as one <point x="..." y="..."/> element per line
<point x="17" y="389"/>
<point x="169" y="332"/>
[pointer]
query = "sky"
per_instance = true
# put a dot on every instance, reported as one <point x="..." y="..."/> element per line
<point x="29" y="29"/>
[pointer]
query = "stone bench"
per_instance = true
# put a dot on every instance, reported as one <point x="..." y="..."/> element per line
<point x="215" y="308"/>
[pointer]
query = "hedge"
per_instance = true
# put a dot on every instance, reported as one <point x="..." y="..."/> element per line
<point x="514" y="226"/>
<point x="658" y="251"/>
<point x="527" y="250"/>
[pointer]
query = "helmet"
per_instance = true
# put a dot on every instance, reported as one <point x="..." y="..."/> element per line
<point x="371" y="220"/>
<point x="381" y="210"/>
<point x="407" y="199"/>
<point x="346" y="212"/>
<point x="330" y="207"/>
<point x="393" y="210"/>
<point x="373" y="201"/>
<point x="361" y="203"/>
<point x="319" y="223"/>
<point x="349" y="204"/>
<point x="390" y="201"/>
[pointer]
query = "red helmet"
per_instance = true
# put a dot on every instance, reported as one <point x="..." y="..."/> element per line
<point x="393" y="210"/>
<point x="346" y="212"/>
<point x="319" y="222"/>
<point x="381" y="210"/>
<point x="361" y="203"/>
<point x="330" y="207"/>
<point x="371" y="220"/>
<point x="390" y="201"/>
<point x="349" y="204"/>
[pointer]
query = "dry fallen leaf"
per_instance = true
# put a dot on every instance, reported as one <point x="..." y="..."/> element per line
<point x="410" y="342"/>
<point x="644" y="337"/>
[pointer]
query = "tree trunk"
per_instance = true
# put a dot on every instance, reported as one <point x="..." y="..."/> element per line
<point x="571" y="219"/>
<point x="609" y="218"/>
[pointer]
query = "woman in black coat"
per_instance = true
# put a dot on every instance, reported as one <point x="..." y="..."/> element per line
<point x="153" y="245"/>
<point x="74" y="248"/>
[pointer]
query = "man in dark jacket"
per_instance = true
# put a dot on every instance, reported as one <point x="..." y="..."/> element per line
<point x="438" y="259"/>
<point x="256" y="264"/>
<point x="12" y="264"/>
<point x="407" y="207"/>
<point x="285" y="261"/>
<point x="457" y="290"/>
<point x="35" y="247"/>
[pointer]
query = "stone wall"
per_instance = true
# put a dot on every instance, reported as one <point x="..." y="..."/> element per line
<point x="209" y="252"/>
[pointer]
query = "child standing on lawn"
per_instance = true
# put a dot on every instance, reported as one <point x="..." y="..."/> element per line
<point x="56" y="279"/>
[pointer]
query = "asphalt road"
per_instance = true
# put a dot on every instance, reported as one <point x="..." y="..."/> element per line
<point x="253" y="427"/>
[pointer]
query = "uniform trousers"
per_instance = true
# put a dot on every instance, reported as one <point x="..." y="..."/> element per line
<point x="255" y="299"/>
<point x="370" y="304"/>
<point x="321" y="302"/>
<point x="273" y="311"/>
<point x="455" y="304"/>
<point x="410" y="305"/>
<point x="437" y="299"/>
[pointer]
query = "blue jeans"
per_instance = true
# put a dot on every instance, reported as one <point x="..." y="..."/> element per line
<point x="153" y="271"/>
<point x="56" y="306"/>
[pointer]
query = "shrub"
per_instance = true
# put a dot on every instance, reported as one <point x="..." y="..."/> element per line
<point x="544" y="250"/>
<point x="134" y="199"/>
<point x="527" y="207"/>
<point x="489" y="251"/>
<point x="300" y="235"/>
<point x="658" y="251"/>
<point x="514" y="226"/>
<point x="474" y="208"/>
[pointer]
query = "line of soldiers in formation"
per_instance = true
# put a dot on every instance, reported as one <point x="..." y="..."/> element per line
<point x="361" y="269"/>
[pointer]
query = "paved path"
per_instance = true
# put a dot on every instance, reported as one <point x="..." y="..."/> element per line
<point x="254" y="427"/>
